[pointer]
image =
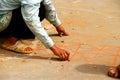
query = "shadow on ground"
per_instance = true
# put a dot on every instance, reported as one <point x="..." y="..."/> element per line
<point x="93" y="69"/>
<point x="5" y="53"/>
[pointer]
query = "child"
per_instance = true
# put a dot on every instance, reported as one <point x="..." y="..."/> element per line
<point x="30" y="12"/>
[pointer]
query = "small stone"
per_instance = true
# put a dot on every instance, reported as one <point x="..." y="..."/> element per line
<point x="62" y="41"/>
<point x="62" y="66"/>
<point x="49" y="58"/>
<point x="24" y="61"/>
<point x="94" y="66"/>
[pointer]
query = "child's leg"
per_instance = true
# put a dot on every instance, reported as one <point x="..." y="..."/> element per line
<point x="5" y="20"/>
<point x="18" y="29"/>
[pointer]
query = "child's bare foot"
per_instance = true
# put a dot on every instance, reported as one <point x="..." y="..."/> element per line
<point x="10" y="41"/>
<point x="114" y="72"/>
<point x="16" y="45"/>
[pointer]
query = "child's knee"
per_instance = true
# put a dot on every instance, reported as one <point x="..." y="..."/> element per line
<point x="5" y="20"/>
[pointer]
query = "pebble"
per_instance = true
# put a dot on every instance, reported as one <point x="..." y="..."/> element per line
<point x="62" y="41"/>
<point x="49" y="58"/>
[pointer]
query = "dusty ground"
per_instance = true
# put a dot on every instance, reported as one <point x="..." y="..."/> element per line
<point x="94" y="44"/>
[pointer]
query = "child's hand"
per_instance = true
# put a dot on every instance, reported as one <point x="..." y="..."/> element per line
<point x="62" y="54"/>
<point x="61" y="31"/>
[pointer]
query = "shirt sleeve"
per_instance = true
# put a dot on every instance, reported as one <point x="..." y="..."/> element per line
<point x="51" y="14"/>
<point x="30" y="14"/>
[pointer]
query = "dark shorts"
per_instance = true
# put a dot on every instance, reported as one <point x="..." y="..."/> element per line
<point x="18" y="28"/>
